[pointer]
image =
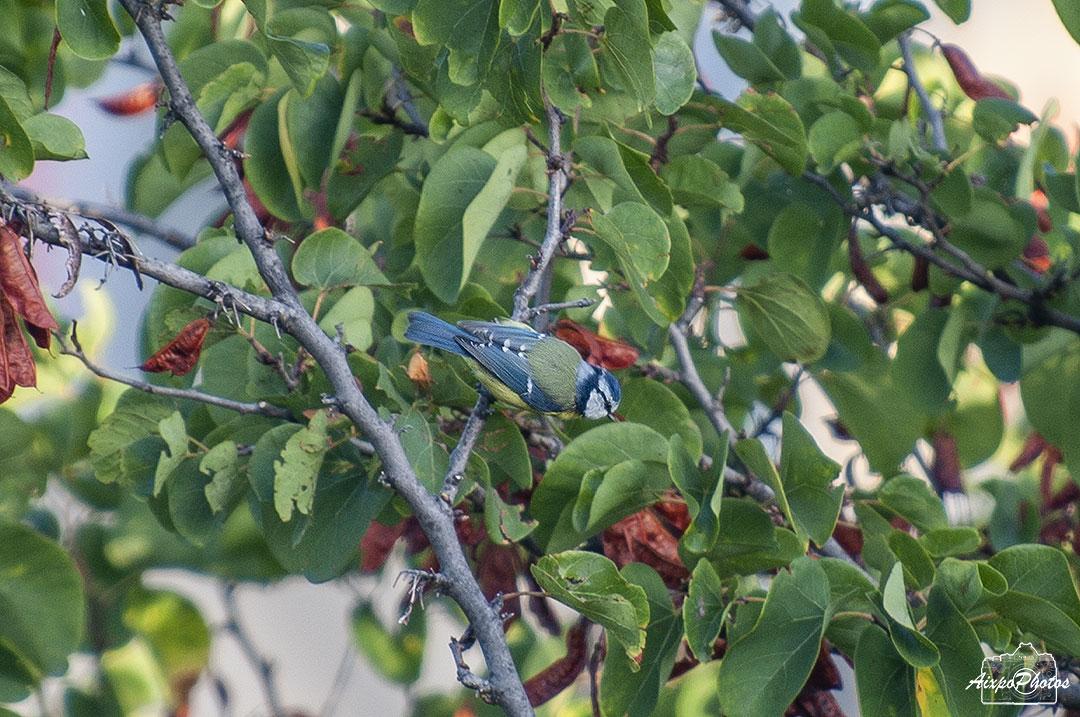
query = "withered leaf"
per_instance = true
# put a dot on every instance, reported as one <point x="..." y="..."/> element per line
<point x="16" y="362"/>
<point x="140" y="98"/>
<point x="596" y="349"/>
<point x="560" y="674"/>
<point x="182" y="353"/>
<point x="19" y="283"/>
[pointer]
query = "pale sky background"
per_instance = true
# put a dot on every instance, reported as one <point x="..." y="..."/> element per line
<point x="304" y="628"/>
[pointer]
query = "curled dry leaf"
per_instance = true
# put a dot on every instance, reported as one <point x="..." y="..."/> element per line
<point x="182" y="353"/>
<point x="594" y="348"/>
<point x="968" y="76"/>
<point x="1039" y="203"/>
<point x="946" y="468"/>
<point x="646" y="538"/>
<point x="418" y="371"/>
<point x="69" y="237"/>
<point x="139" y="99"/>
<point x="752" y="252"/>
<point x="560" y="674"/>
<point x="920" y="274"/>
<point x="18" y="282"/>
<point x="16" y="362"/>
<point x="1037" y="255"/>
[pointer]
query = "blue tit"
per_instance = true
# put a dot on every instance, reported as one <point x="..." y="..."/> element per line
<point x="523" y="367"/>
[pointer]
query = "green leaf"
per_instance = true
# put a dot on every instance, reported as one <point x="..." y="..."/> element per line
<point x="888" y="18"/>
<point x="428" y="458"/>
<point x="173" y="431"/>
<point x="954" y="540"/>
<point x="16" y="150"/>
<point x="227" y="486"/>
<point x="641" y="243"/>
<point x="698" y="182"/>
<point x="458" y="24"/>
<point x="1042" y="596"/>
<point x="592" y="585"/>
<point x="13" y="91"/>
<point x="457" y="178"/>
<point x="173" y="627"/>
<point x="777" y="44"/>
<point x="112" y="444"/>
<point x="912" y="645"/>
<point x="994" y="118"/>
<point x="954" y="195"/>
<point x="787" y="315"/>
<point x="702" y="491"/>
<point x="353" y="312"/>
<point x="673" y="65"/>
<point x="626" y="687"/>
<point x="265" y="167"/>
<point x="626" y="59"/>
<point x="918" y="567"/>
<point x="304" y="61"/>
<point x="957" y="10"/>
<point x="55" y="137"/>
<point x="913" y="500"/>
<point x="835" y="31"/>
<point x="704" y="610"/>
<point x="834" y="138"/>
<point x="807" y="475"/>
<point x="87" y="28"/>
<point x="748" y="541"/>
<point x="304" y="122"/>
<point x="769" y="122"/>
<point x="764" y="670"/>
<point x="365" y="160"/>
<point x="296" y="472"/>
<point x="653" y="404"/>
<point x="885" y="683"/>
<point x="917" y="367"/>
<point x="41" y="598"/>
<point x="598" y="448"/>
<point x="503" y="448"/>
<point x="1070" y="17"/>
<point x="330" y="257"/>
<point x="961" y="654"/>
<point x="746" y="59"/>
<point x="396" y="655"/>
<point x="1050" y="389"/>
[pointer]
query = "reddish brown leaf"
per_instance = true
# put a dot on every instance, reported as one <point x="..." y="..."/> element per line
<point x="560" y="674"/>
<point x="182" y="353"/>
<point x="1063" y="497"/>
<point x="19" y="283"/>
<point x="968" y="76"/>
<point x="850" y="537"/>
<point x="1039" y="203"/>
<point x="140" y="98"/>
<point x="752" y="252"/>
<point x="596" y="349"/>
<point x="945" y="472"/>
<point x="861" y="269"/>
<point x="233" y="135"/>
<point x="1034" y="445"/>
<point x="1046" y="477"/>
<point x="920" y="274"/>
<point x="674" y="512"/>
<point x="643" y="538"/>
<point x="1037" y="255"/>
<point x="377" y="543"/>
<point x="824" y="676"/>
<point x="16" y="362"/>
<point x="540" y="607"/>
<point x="496" y="571"/>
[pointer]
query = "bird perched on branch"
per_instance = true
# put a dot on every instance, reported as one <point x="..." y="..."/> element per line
<point x="523" y="367"/>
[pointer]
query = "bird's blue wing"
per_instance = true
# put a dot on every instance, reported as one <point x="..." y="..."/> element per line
<point x="503" y="350"/>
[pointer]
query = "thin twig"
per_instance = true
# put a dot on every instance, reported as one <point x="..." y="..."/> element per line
<point x="263" y="668"/>
<point x="933" y="114"/>
<point x="96" y="211"/>
<point x="558" y="306"/>
<point x="260" y="408"/>
<point x="738" y="10"/>
<point x="558" y="175"/>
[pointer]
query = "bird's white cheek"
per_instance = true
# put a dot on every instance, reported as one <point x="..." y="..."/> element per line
<point x="594" y="407"/>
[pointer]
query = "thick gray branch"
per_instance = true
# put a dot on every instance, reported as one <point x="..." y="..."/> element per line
<point x="433" y="515"/>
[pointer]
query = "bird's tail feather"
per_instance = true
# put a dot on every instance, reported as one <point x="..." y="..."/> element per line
<point x="429" y="330"/>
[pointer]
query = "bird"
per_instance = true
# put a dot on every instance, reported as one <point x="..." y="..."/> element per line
<point x="523" y="367"/>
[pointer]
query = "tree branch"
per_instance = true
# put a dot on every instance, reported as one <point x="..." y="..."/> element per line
<point x="261" y="408"/>
<point x="262" y="666"/>
<point x="738" y="10"/>
<point x="102" y="213"/>
<point x="937" y="126"/>
<point x="434" y="516"/>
